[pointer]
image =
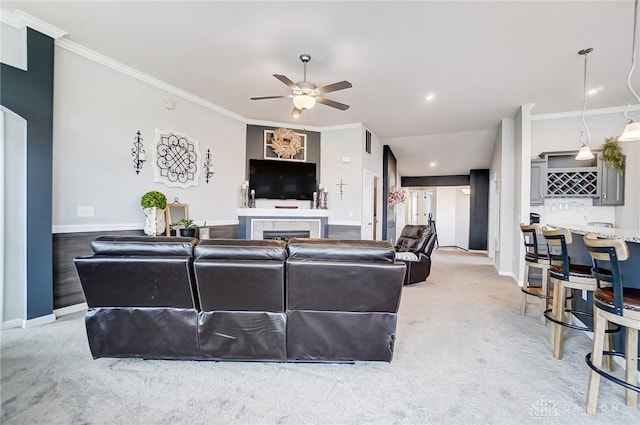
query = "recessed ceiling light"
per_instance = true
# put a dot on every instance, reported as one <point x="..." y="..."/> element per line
<point x="595" y="90"/>
<point x="433" y="164"/>
<point x="430" y="97"/>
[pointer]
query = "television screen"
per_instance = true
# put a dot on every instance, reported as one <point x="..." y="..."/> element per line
<point x="274" y="179"/>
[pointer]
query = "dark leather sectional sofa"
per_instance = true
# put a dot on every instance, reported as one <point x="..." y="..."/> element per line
<point x="230" y="299"/>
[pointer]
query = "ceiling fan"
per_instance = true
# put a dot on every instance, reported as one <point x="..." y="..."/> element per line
<point x="305" y="94"/>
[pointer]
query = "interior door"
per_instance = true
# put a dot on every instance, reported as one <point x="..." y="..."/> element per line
<point x="367" y="206"/>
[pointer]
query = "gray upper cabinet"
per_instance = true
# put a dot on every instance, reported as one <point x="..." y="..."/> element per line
<point x="538" y="181"/>
<point x="610" y="185"/>
<point x="567" y="177"/>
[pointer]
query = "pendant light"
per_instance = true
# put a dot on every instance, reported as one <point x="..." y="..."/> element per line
<point x="631" y="131"/>
<point x="585" y="151"/>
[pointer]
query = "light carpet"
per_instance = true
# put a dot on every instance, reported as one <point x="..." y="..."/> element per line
<point x="463" y="355"/>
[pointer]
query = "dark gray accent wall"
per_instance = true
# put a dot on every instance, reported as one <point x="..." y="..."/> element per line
<point x="30" y="95"/>
<point x="457" y="180"/>
<point x="255" y="146"/>
<point x="344" y="232"/>
<point x="389" y="174"/>
<point x="479" y="209"/>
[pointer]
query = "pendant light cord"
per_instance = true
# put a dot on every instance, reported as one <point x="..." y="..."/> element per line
<point x="584" y="102"/>
<point x="633" y="57"/>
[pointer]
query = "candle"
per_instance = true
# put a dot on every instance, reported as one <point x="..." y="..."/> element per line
<point x="320" y="187"/>
<point x="142" y="156"/>
<point x="244" y="185"/>
<point x="253" y="192"/>
<point x="326" y="190"/>
<point x="210" y="168"/>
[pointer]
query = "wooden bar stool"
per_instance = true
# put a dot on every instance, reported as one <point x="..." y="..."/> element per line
<point x="615" y="304"/>
<point x="533" y="258"/>
<point x="565" y="276"/>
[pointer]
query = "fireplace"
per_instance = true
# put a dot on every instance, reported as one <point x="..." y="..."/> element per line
<point x="285" y="235"/>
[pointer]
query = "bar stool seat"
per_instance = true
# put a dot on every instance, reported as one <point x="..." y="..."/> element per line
<point x="615" y="304"/>
<point x="565" y="277"/>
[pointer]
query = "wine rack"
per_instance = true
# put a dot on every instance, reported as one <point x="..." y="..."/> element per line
<point x="572" y="184"/>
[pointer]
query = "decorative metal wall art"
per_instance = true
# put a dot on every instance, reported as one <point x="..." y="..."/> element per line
<point x="285" y="144"/>
<point x="176" y="160"/>
<point x="138" y="154"/>
<point x="208" y="166"/>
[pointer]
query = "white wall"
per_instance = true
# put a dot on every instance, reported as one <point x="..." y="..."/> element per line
<point x="462" y="214"/>
<point x="14" y="168"/>
<point x="522" y="184"/>
<point x="373" y="163"/>
<point x="13" y="46"/>
<point x="97" y="112"/>
<point x="336" y="144"/>
<point x="559" y="132"/>
<point x="446" y="215"/>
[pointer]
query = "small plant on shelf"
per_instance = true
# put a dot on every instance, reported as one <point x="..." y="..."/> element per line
<point x="612" y="154"/>
<point x="187" y="227"/>
<point x="154" y="199"/>
<point x="186" y="223"/>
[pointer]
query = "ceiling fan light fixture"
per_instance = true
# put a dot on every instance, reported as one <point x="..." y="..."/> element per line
<point x="304" y="101"/>
<point x="631" y="132"/>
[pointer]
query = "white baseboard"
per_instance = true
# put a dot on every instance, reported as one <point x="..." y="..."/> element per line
<point x="13" y="323"/>
<point x="59" y="312"/>
<point x="42" y="320"/>
<point x="511" y="275"/>
<point x="21" y="323"/>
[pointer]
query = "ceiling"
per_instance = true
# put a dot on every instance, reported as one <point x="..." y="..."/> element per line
<point x="480" y="59"/>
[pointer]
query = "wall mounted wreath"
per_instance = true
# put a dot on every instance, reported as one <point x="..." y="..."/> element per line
<point x="285" y="144"/>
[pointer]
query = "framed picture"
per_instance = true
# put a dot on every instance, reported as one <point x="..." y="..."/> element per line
<point x="285" y="144"/>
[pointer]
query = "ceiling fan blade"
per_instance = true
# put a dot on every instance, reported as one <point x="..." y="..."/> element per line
<point x="270" y="97"/>
<point x="287" y="81"/>
<point x="296" y="112"/>
<point x="334" y="87"/>
<point x="332" y="103"/>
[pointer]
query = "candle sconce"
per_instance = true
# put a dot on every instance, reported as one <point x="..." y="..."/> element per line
<point x="138" y="154"/>
<point x="208" y="167"/>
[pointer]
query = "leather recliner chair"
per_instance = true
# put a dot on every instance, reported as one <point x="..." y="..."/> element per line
<point x="241" y="291"/>
<point x="140" y="295"/>
<point x="342" y="300"/>
<point x="414" y="247"/>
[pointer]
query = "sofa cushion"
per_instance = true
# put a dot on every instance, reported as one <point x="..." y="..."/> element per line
<point x="341" y="250"/>
<point x="241" y="249"/>
<point x="406" y="256"/>
<point x="144" y="245"/>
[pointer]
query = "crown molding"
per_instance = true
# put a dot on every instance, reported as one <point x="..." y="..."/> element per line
<point x="587" y="113"/>
<point x="276" y="124"/>
<point x="20" y="19"/>
<point x="319" y="129"/>
<point x="141" y="76"/>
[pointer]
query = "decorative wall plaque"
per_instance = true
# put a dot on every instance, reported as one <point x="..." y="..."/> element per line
<point x="176" y="159"/>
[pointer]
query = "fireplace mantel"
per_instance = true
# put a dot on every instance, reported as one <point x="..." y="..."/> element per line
<point x="253" y="221"/>
<point x="282" y="212"/>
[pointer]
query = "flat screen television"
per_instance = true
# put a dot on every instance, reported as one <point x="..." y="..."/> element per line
<point x="273" y="179"/>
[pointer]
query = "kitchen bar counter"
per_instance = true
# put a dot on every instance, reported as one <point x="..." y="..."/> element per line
<point x="602" y="232"/>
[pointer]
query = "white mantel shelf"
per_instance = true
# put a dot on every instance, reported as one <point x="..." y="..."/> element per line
<point x="281" y="212"/>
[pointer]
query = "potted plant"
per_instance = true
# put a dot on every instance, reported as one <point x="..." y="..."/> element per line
<point x="188" y="227"/>
<point x="153" y="204"/>
<point x="612" y="154"/>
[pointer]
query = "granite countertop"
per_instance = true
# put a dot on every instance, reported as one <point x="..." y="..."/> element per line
<point x="603" y="232"/>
